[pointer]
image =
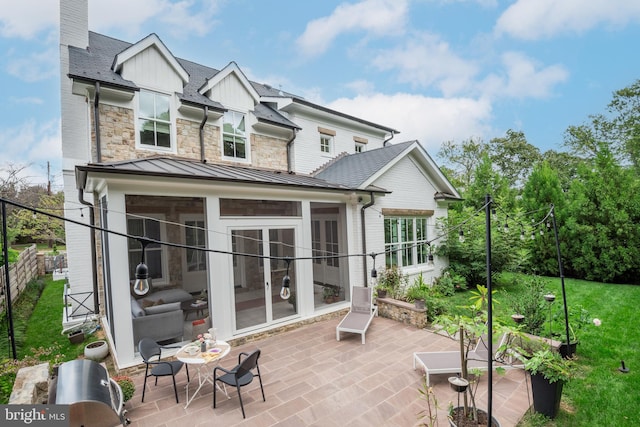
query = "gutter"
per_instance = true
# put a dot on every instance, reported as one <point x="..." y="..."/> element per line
<point x="384" y="143"/>
<point x="202" y="123"/>
<point x="364" y="237"/>
<point x="96" y="121"/>
<point x="289" y="144"/>
<point x="94" y="258"/>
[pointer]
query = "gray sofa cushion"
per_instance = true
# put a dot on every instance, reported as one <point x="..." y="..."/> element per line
<point x="136" y="310"/>
<point x="167" y="295"/>
<point x="162" y="308"/>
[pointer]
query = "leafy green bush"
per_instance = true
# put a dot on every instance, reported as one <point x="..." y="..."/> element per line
<point x="449" y="283"/>
<point x="9" y="368"/>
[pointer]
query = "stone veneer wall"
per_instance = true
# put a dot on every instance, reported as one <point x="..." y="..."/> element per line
<point x="402" y="311"/>
<point x="118" y="141"/>
<point x="268" y="153"/>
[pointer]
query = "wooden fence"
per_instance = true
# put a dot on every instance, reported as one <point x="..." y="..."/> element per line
<point x="21" y="272"/>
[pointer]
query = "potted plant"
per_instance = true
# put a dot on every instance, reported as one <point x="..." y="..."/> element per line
<point x="549" y="372"/>
<point x="418" y="292"/>
<point x="328" y="295"/>
<point x="392" y="281"/>
<point x="579" y="317"/>
<point x="127" y="386"/>
<point x="468" y="330"/>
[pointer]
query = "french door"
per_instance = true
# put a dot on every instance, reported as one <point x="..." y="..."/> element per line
<point x="258" y="269"/>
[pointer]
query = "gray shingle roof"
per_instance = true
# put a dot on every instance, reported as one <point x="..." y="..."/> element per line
<point x="190" y="169"/>
<point x="356" y="169"/>
<point x="94" y="64"/>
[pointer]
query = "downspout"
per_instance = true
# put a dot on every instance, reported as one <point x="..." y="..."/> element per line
<point x="202" y="123"/>
<point x="364" y="238"/>
<point x="94" y="258"/>
<point x="384" y="143"/>
<point x="96" y="121"/>
<point x="289" y="144"/>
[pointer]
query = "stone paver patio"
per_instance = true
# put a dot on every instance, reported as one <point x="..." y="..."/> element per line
<point x="310" y="379"/>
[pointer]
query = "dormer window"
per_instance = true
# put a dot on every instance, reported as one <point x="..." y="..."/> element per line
<point x="154" y="120"/>
<point x="234" y="135"/>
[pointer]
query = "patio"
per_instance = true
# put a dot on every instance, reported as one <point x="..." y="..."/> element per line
<point x="310" y="379"/>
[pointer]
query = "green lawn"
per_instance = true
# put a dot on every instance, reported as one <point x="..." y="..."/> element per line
<point x="37" y="321"/>
<point x="600" y="395"/>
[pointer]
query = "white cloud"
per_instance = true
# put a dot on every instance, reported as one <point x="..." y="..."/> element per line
<point x="427" y="60"/>
<point x="27" y="18"/>
<point x="524" y="78"/>
<point x="27" y="100"/>
<point x="181" y="18"/>
<point x="32" y="144"/>
<point x="375" y="17"/>
<point x="536" y="19"/>
<point x="429" y="120"/>
<point x="34" y="67"/>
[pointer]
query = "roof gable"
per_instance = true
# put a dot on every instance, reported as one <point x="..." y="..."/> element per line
<point x="361" y="170"/>
<point x="231" y="69"/>
<point x="152" y="40"/>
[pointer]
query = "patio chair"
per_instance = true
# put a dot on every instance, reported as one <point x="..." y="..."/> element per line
<point x="359" y="317"/>
<point x="151" y="353"/>
<point x="240" y="376"/>
<point x="448" y="362"/>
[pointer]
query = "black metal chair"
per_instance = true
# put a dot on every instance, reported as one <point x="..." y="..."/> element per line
<point x="151" y="353"/>
<point x="239" y="376"/>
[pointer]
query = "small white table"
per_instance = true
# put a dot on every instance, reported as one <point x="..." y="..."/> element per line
<point x="204" y="363"/>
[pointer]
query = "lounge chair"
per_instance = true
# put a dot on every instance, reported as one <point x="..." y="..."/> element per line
<point x="359" y="318"/>
<point x="448" y="362"/>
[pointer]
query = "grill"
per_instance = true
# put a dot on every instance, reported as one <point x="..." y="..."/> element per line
<point x="94" y="399"/>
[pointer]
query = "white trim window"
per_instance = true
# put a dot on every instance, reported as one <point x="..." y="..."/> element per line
<point x="405" y="241"/>
<point x="234" y="136"/>
<point x="326" y="144"/>
<point x="359" y="147"/>
<point x="154" y="120"/>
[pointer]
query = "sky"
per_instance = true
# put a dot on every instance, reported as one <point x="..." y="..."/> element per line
<point x="436" y="70"/>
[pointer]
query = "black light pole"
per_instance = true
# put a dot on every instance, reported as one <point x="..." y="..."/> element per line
<point x="487" y="201"/>
<point x="5" y="254"/>
<point x="561" y="271"/>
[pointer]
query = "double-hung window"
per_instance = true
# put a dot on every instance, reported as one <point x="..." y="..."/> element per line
<point x="326" y="140"/>
<point x="405" y="240"/>
<point x="234" y="135"/>
<point x="154" y="119"/>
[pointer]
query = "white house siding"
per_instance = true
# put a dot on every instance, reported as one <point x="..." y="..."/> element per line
<point x="306" y="148"/>
<point x="75" y="143"/>
<point x="149" y="69"/>
<point x="411" y="190"/>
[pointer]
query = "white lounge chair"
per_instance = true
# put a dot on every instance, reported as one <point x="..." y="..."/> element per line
<point x="359" y="318"/>
<point x="448" y="362"/>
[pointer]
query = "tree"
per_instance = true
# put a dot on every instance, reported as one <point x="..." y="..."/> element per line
<point x="540" y="191"/>
<point x="601" y="221"/>
<point x="514" y="157"/>
<point x="463" y="159"/>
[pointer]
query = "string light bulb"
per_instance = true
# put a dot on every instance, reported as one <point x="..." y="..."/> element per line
<point x="461" y="236"/>
<point x="285" y="292"/>
<point x="141" y="285"/>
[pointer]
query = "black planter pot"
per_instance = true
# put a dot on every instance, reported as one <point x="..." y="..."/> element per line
<point x="546" y="395"/>
<point x="564" y="349"/>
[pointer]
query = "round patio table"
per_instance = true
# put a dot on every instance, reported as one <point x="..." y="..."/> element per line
<point x="203" y="362"/>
